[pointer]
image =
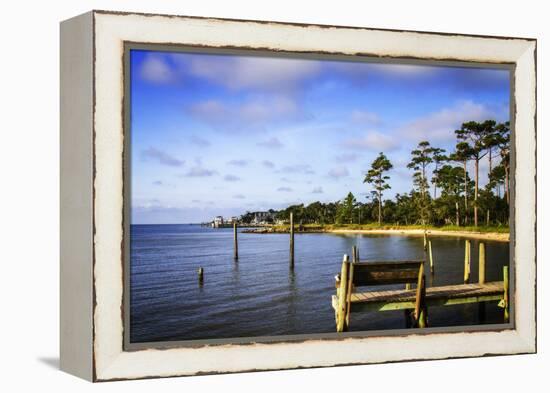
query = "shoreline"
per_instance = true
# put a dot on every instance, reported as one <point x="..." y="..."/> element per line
<point x="494" y="236"/>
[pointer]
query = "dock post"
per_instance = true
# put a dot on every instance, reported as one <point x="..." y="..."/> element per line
<point x="235" y="242"/>
<point x="431" y="257"/>
<point x="467" y="253"/>
<point x="506" y="295"/>
<point x="342" y="297"/>
<point x="291" y="239"/>
<point x="481" y="279"/>
<point x="425" y="240"/>
<point x="201" y="275"/>
<point x="354" y="260"/>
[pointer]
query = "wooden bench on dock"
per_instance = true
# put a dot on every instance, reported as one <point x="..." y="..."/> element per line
<point x="368" y="274"/>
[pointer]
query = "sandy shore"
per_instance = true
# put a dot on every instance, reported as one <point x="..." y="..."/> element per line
<point x="501" y="237"/>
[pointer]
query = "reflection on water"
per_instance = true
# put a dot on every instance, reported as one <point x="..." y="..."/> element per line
<point x="259" y="295"/>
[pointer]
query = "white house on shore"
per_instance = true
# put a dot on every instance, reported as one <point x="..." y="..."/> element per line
<point x="218" y="222"/>
<point x="262" y="218"/>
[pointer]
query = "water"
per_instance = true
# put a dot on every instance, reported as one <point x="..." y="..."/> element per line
<point x="260" y="296"/>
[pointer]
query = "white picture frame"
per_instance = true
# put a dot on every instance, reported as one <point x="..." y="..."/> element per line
<point x="92" y="196"/>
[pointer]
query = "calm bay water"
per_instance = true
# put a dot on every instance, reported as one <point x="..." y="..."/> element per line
<point x="260" y="296"/>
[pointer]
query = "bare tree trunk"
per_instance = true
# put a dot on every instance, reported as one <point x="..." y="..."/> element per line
<point x="435" y="184"/>
<point x="457" y="214"/>
<point x="379" y="208"/>
<point x="475" y="190"/>
<point x="423" y="188"/>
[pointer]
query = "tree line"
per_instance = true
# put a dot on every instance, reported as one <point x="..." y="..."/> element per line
<point x="453" y="198"/>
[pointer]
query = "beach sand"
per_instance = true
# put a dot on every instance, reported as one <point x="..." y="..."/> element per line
<point x="501" y="237"/>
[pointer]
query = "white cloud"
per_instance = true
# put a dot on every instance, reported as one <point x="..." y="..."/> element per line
<point x="155" y="69"/>
<point x="271" y="143"/>
<point x="199" y="171"/>
<point x="240" y="163"/>
<point x="338" y="172"/>
<point x="284" y="189"/>
<point x="373" y="141"/>
<point x="254" y="72"/>
<point x="161" y="157"/>
<point x="231" y="178"/>
<point x="197" y="140"/>
<point x="440" y="126"/>
<point x="317" y="190"/>
<point x="365" y="117"/>
<point x="297" y="168"/>
<point x="412" y="70"/>
<point x="346" y="157"/>
<point x="256" y="111"/>
<point x="268" y="164"/>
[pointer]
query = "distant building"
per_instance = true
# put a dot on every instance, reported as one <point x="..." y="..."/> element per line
<point x="231" y="220"/>
<point x="262" y="218"/>
<point x="218" y="222"/>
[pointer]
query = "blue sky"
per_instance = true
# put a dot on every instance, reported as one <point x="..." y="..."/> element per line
<point x="223" y="134"/>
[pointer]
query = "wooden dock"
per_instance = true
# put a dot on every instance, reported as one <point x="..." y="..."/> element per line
<point x="403" y="299"/>
<point x="352" y="293"/>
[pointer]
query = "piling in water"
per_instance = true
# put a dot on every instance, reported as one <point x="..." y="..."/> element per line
<point x="235" y="242"/>
<point x="291" y="240"/>
<point x="201" y="275"/>
<point x="481" y="277"/>
<point x="467" y="262"/>
<point x="431" y="256"/>
<point x="425" y="240"/>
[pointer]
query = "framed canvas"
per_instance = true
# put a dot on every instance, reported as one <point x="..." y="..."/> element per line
<point x="247" y="195"/>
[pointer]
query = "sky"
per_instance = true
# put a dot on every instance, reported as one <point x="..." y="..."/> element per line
<point x="225" y="134"/>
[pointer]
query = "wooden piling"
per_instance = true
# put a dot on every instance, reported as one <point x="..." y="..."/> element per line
<point x="431" y="256"/>
<point x="420" y="306"/>
<point x="425" y="241"/>
<point x="235" y="242"/>
<point x="291" y="240"/>
<point x="349" y="290"/>
<point x="342" y="296"/>
<point x="481" y="261"/>
<point x="201" y="275"/>
<point x="506" y="294"/>
<point x="467" y="256"/>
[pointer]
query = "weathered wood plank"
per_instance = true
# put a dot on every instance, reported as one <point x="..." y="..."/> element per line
<point x="386" y="273"/>
<point x="448" y="291"/>
<point x="410" y="305"/>
<point x="411" y="262"/>
<point x="370" y="278"/>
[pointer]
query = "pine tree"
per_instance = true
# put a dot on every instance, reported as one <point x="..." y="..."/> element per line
<point x="376" y="177"/>
<point x="474" y="135"/>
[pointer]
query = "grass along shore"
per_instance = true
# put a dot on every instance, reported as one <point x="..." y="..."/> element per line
<point x="496" y="233"/>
